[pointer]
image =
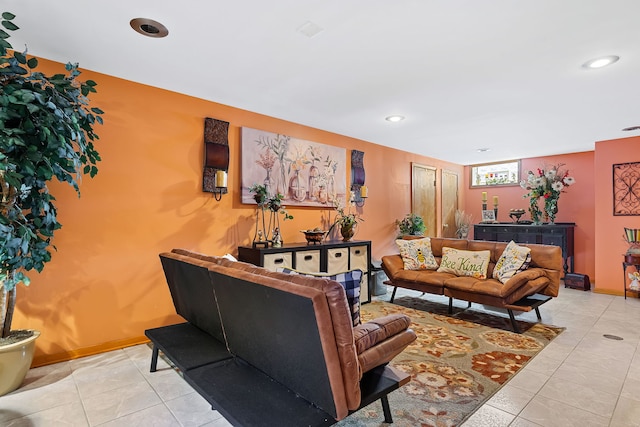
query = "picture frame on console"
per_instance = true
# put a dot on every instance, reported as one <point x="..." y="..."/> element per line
<point x="488" y="216"/>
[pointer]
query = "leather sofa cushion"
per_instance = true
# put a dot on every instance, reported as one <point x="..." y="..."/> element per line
<point x="382" y="339"/>
<point x="371" y="333"/>
<point x="494" y="287"/>
<point x="386" y="350"/>
<point x="429" y="277"/>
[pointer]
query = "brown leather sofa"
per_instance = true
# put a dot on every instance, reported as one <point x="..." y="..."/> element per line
<point x="525" y="291"/>
<point x="296" y="330"/>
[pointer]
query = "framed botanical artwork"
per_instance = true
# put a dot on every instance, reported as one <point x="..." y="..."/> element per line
<point x="626" y="189"/>
<point x="495" y="174"/>
<point x="305" y="173"/>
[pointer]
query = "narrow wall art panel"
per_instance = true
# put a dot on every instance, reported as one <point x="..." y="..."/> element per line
<point x="306" y="173"/>
<point x="626" y="189"/>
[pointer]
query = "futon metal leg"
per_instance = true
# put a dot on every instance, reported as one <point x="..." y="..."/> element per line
<point x="538" y="313"/>
<point x="386" y="410"/>
<point x="450" y="305"/>
<point x="393" y="294"/>
<point x="154" y="358"/>
<point x="516" y="329"/>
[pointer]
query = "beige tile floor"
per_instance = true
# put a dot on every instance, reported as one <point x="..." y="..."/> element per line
<point x="580" y="379"/>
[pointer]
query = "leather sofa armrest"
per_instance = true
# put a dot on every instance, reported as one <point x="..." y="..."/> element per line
<point x="371" y="333"/>
<point x="384" y="352"/>
<point x="392" y="264"/>
<point x="519" y="279"/>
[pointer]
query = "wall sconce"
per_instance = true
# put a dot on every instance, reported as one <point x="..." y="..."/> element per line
<point x="216" y="157"/>
<point x="359" y="191"/>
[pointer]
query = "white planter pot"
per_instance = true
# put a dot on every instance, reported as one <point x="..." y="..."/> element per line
<point x="15" y="361"/>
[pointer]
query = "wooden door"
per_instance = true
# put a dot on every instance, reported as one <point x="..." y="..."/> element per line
<point x="449" y="203"/>
<point x="423" y="196"/>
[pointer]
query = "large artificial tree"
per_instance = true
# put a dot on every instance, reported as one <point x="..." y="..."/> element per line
<point x="46" y="132"/>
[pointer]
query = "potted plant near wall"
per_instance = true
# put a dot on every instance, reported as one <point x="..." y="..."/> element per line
<point x="269" y="231"/>
<point x="411" y="225"/>
<point x="46" y="132"/>
<point x="346" y="222"/>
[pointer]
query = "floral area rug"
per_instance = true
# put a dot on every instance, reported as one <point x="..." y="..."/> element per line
<point x="456" y="364"/>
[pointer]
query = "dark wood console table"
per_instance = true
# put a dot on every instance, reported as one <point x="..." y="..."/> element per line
<point x="559" y="234"/>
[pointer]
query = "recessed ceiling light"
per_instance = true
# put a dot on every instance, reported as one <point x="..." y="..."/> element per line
<point x="630" y="128"/>
<point x="483" y="150"/>
<point x="600" y="62"/>
<point x="149" y="27"/>
<point x="394" y="118"/>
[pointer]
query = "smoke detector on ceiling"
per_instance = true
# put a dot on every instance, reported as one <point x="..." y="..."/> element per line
<point x="149" y="27"/>
<point x="310" y="29"/>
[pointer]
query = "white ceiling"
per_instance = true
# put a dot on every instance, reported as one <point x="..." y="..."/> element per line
<point x="467" y="74"/>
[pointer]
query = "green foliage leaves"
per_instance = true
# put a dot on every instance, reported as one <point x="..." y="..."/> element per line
<point x="6" y="23"/>
<point x="411" y="224"/>
<point x="46" y="132"/>
<point x="8" y="16"/>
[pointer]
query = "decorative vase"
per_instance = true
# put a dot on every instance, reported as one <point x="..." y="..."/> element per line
<point x="261" y="235"/>
<point x="534" y="210"/>
<point x="551" y="209"/>
<point x="462" y="233"/>
<point x="347" y="231"/>
<point x="15" y="360"/>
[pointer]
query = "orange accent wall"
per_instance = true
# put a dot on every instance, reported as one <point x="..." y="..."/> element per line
<point x="105" y="283"/>
<point x="575" y="205"/>
<point x="610" y="245"/>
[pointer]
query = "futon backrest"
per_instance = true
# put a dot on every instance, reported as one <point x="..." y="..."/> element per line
<point x="286" y="330"/>
<point x="192" y="292"/>
<point x="336" y="300"/>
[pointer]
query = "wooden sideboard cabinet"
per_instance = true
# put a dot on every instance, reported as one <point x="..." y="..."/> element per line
<point x="559" y="234"/>
<point x="328" y="257"/>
